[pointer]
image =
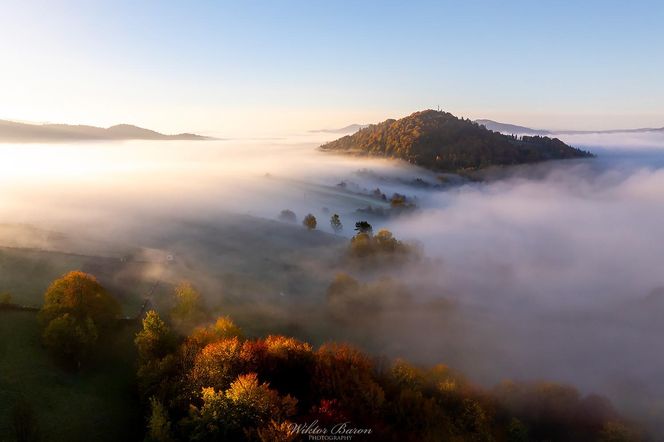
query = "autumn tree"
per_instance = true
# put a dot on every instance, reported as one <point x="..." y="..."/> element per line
<point x="309" y="222"/>
<point x="344" y="373"/>
<point x="154" y="340"/>
<point x="361" y="245"/>
<point x="383" y="246"/>
<point x="189" y="309"/>
<point x="77" y="310"/>
<point x="335" y="222"/>
<point x="398" y="201"/>
<point x="155" y="344"/>
<point x="223" y="327"/>
<point x="203" y="335"/>
<point x="80" y="295"/>
<point x="287" y="363"/>
<point x="386" y="242"/>
<point x="245" y="406"/>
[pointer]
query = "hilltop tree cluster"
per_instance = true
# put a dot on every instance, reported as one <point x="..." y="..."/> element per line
<point x="382" y="246"/>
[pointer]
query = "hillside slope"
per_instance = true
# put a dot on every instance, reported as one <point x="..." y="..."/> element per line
<point x="440" y="141"/>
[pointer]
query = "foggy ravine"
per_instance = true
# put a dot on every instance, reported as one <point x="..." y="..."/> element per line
<point x="555" y="269"/>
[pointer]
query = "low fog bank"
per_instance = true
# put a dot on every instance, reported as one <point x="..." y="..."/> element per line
<point x="108" y="186"/>
<point x="547" y="271"/>
<point x="556" y="270"/>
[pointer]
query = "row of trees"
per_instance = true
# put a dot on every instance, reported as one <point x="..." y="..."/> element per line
<point x="216" y="384"/>
<point x="78" y="312"/>
<point x="310" y="221"/>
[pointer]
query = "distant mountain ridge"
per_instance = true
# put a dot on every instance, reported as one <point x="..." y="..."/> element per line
<point x="14" y="132"/>
<point x="507" y="128"/>
<point x="351" y="128"/>
<point x="440" y="141"/>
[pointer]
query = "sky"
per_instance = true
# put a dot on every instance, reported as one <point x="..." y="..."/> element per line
<point x="257" y="68"/>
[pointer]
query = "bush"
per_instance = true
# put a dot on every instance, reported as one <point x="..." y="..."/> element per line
<point x="309" y="222"/>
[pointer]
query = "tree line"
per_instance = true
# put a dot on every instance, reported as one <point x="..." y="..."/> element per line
<point x="201" y="378"/>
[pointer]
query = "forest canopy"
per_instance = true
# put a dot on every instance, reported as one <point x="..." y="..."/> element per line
<point x="215" y="384"/>
<point x="442" y="142"/>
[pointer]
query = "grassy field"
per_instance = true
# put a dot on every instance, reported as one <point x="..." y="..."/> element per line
<point x="96" y="404"/>
<point x="256" y="270"/>
<point x="27" y="273"/>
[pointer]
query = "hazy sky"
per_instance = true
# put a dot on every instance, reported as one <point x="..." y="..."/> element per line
<point x="249" y="67"/>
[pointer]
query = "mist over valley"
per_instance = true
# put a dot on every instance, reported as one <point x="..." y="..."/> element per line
<point x="546" y="271"/>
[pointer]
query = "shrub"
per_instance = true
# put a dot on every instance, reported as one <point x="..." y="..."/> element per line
<point x="309" y="222"/>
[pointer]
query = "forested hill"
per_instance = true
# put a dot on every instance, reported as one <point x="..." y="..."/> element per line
<point x="440" y="141"/>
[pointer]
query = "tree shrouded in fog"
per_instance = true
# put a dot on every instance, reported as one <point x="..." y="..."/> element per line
<point x="335" y="223"/>
<point x="382" y="245"/>
<point x="287" y="215"/>
<point x="189" y="309"/>
<point x="309" y="222"/>
<point x="76" y="310"/>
